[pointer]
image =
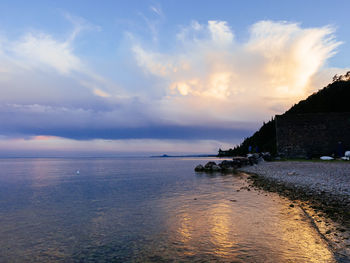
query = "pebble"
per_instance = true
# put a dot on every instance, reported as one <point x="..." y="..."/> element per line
<point x="324" y="178"/>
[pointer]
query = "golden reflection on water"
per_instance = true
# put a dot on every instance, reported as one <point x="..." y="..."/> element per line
<point x="221" y="228"/>
<point x="204" y="224"/>
<point x="184" y="229"/>
<point x="211" y="230"/>
<point x="185" y="233"/>
<point x="309" y="244"/>
<point x="270" y="229"/>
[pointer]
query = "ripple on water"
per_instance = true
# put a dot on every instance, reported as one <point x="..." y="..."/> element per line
<point x="137" y="210"/>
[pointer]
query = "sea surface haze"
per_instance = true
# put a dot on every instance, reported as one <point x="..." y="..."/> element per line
<point x="145" y="210"/>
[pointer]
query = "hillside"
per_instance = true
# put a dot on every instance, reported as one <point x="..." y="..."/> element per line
<point x="333" y="98"/>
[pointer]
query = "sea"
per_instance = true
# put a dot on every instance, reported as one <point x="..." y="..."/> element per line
<point x="145" y="210"/>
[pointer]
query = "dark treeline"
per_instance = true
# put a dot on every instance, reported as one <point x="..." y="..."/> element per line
<point x="333" y="98"/>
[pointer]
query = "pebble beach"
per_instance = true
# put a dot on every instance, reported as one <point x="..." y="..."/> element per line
<point x="332" y="178"/>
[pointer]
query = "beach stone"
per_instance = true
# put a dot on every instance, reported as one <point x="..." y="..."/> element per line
<point x="240" y="160"/>
<point x="199" y="168"/>
<point x="226" y="164"/>
<point x="228" y="169"/>
<point x="215" y="168"/>
<point x="209" y="165"/>
<point x="266" y="156"/>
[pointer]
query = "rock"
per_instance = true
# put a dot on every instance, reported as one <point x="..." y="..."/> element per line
<point x="256" y="155"/>
<point x="347" y="154"/>
<point x="291" y="205"/>
<point x="209" y="165"/>
<point x="228" y="169"/>
<point x="226" y="164"/>
<point x="215" y="168"/>
<point x="199" y="168"/>
<point x="266" y="156"/>
<point x="253" y="158"/>
<point x="240" y="160"/>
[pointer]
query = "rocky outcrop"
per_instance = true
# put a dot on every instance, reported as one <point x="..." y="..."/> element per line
<point x="228" y="166"/>
<point x="199" y="168"/>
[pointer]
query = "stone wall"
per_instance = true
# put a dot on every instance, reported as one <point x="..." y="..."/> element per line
<point x="312" y="134"/>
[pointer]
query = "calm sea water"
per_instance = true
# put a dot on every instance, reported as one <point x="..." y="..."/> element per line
<point x="145" y="210"/>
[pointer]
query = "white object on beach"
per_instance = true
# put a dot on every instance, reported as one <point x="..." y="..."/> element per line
<point x="326" y="158"/>
<point x="345" y="158"/>
<point x="347" y="154"/>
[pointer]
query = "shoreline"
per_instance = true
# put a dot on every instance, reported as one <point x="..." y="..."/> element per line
<point x="321" y="190"/>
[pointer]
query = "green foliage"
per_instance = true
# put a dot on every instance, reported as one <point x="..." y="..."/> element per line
<point x="333" y="98"/>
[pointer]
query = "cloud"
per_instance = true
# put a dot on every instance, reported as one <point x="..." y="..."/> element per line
<point x="211" y="75"/>
<point x="220" y="32"/>
<point x="41" y="62"/>
<point x="56" y="146"/>
<point x="42" y="50"/>
<point x="157" y="10"/>
<point x="113" y="123"/>
<point x="208" y="87"/>
<point x="80" y="24"/>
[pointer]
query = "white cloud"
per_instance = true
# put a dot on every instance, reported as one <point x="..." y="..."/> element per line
<point x="211" y="76"/>
<point x="157" y="10"/>
<point x="43" y="50"/>
<point x="209" y="79"/>
<point x="220" y="32"/>
<point x="37" y="56"/>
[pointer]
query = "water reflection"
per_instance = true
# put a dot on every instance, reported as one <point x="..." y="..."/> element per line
<point x="151" y="210"/>
<point x="222" y="229"/>
<point x="244" y="226"/>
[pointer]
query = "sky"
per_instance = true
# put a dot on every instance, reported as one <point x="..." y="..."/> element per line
<point x="105" y="78"/>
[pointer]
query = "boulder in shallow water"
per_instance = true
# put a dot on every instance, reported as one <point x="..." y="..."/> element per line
<point x="228" y="169"/>
<point x="199" y="168"/>
<point x="240" y="161"/>
<point x="216" y="168"/>
<point x="209" y="165"/>
<point x="226" y="164"/>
